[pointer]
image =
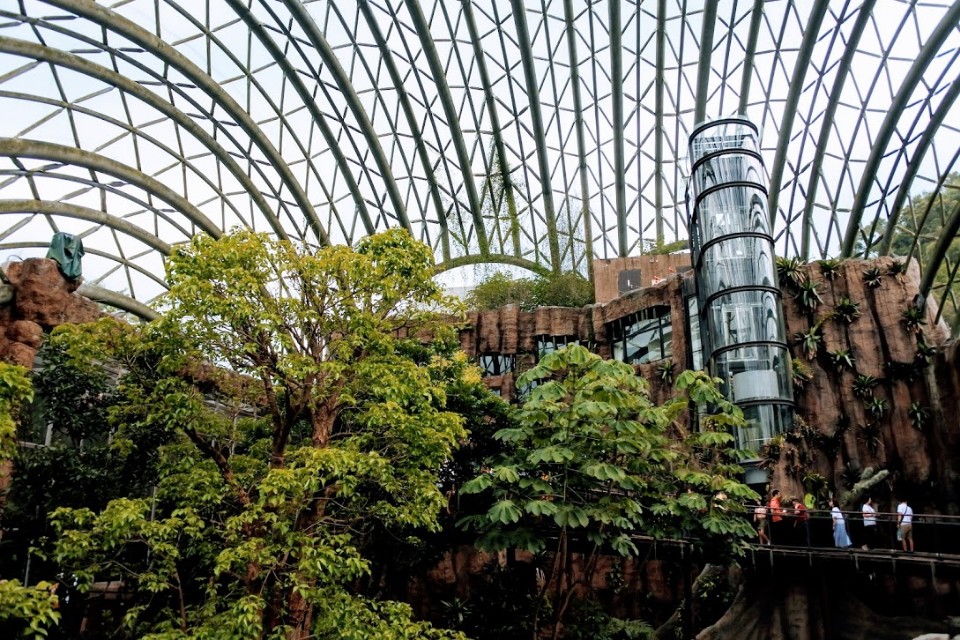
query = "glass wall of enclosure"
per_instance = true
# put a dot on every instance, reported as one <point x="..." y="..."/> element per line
<point x="738" y="298"/>
<point x="645" y="336"/>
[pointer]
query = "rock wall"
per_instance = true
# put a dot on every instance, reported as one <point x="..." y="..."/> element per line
<point x="42" y="299"/>
<point x="879" y="427"/>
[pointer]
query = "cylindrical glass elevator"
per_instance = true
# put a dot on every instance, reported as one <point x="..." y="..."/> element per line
<point x="741" y="316"/>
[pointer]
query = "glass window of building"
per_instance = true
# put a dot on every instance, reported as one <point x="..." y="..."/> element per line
<point x="496" y="364"/>
<point x="548" y="344"/>
<point x="645" y="336"/>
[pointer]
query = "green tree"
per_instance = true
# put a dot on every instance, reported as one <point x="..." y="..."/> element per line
<point x="323" y="422"/>
<point x="593" y="462"/>
<point x="566" y="289"/>
<point x="918" y="230"/>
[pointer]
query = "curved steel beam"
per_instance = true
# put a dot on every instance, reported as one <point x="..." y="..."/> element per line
<point x="38" y="150"/>
<point x="947" y="236"/>
<point x="117" y="300"/>
<point x="756" y="18"/>
<point x="539" y="134"/>
<point x="317" y="39"/>
<point x="493" y="258"/>
<point x="92" y="184"/>
<point x="112" y="21"/>
<point x="93" y="70"/>
<point x="77" y="212"/>
<point x="913" y="166"/>
<point x="616" y="97"/>
<point x="404" y="99"/>
<point x="929" y="50"/>
<point x="810" y="34"/>
<point x="293" y="77"/>
<point x="706" y="53"/>
<point x="843" y="72"/>
<point x="581" y="136"/>
<point x="129" y="128"/>
<point x="453" y="120"/>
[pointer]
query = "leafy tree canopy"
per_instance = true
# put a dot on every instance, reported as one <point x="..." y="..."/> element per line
<point x="568" y="289"/>
<point x="917" y="233"/>
<point x="324" y="420"/>
<point x="594" y="461"/>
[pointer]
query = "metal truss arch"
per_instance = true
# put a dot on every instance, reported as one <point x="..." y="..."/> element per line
<point x="526" y="133"/>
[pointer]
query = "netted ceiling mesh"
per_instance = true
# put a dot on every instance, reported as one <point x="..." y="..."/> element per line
<point x="532" y="133"/>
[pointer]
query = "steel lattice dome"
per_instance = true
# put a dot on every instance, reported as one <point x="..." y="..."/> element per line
<point x="535" y="134"/>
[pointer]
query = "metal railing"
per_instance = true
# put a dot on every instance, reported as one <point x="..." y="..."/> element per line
<point x="932" y="533"/>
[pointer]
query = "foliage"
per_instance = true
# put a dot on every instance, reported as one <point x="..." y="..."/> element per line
<point x="925" y="352"/>
<point x="873" y="277"/>
<point x="810" y="341"/>
<point x="919" y="415"/>
<point x="846" y="310"/>
<point x="914" y="318"/>
<point x="920" y="224"/>
<point x="323" y="426"/>
<point x="15" y="389"/>
<point x="897" y="269"/>
<point x="499" y="290"/>
<point x="872" y="435"/>
<point x="27" y="612"/>
<point x="801" y="372"/>
<point x="588" y="621"/>
<point x="568" y="289"/>
<point x="593" y="461"/>
<point x="791" y="272"/>
<point x="807" y="295"/>
<point x="877" y="407"/>
<point x="665" y="371"/>
<point x="830" y="268"/>
<point x="863" y="385"/>
<point x="841" y="359"/>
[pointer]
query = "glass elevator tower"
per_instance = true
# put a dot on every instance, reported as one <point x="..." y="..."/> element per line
<point x="739" y="299"/>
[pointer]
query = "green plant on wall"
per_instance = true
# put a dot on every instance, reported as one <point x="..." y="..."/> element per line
<point x="864" y="384"/>
<point x="830" y="268"/>
<point x="791" y="272"/>
<point x="807" y="296"/>
<point x="876" y="407"/>
<point x="897" y="269"/>
<point x="919" y="415"/>
<point x="914" y="318"/>
<point x="846" y="310"/>
<point x="872" y="435"/>
<point x="925" y="352"/>
<point x="841" y="359"/>
<point x="665" y="371"/>
<point x="801" y="372"/>
<point x="873" y="277"/>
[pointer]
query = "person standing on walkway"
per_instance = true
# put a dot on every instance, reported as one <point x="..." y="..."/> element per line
<point x="776" y="517"/>
<point x="840" y="537"/>
<point x="870" y="536"/>
<point x="802" y="523"/>
<point x="905" y="525"/>
<point x="760" y="521"/>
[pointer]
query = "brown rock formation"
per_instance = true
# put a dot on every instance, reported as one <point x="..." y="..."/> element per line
<point x="809" y="606"/>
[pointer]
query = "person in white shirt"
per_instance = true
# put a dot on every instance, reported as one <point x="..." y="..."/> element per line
<point x="869" y="524"/>
<point x="905" y="522"/>
<point x="840" y="537"/>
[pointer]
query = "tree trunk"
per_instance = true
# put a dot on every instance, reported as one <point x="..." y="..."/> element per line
<point x="300" y="617"/>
